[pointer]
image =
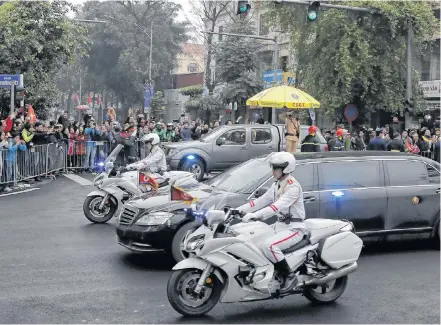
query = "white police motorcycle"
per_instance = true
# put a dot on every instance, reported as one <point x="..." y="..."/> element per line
<point x="115" y="186"/>
<point x="228" y="265"/>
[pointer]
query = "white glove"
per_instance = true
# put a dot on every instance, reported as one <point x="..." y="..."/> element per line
<point x="131" y="166"/>
<point x="250" y="217"/>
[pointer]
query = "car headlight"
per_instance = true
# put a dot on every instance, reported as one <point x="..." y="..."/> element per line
<point x="154" y="219"/>
<point x="98" y="181"/>
<point x="195" y="243"/>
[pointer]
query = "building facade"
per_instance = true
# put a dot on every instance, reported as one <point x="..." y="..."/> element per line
<point x="188" y="72"/>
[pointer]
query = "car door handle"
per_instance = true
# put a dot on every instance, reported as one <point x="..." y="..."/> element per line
<point x="437" y="191"/>
<point x="244" y="148"/>
<point x="270" y="148"/>
<point x="309" y="199"/>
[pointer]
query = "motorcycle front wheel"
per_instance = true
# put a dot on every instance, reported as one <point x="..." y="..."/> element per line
<point x="180" y="292"/>
<point x="94" y="214"/>
<point x="328" y="292"/>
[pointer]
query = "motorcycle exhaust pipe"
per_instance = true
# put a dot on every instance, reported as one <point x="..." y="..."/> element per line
<point x="332" y="275"/>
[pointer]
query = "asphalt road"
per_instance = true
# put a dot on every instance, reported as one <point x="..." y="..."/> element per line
<point x="56" y="267"/>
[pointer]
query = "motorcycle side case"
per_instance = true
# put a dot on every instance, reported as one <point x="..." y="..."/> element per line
<point x="340" y="249"/>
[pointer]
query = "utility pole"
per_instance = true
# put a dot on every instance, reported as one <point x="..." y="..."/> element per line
<point x="275" y="56"/>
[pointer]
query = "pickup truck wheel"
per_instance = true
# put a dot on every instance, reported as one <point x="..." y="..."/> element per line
<point x="195" y="166"/>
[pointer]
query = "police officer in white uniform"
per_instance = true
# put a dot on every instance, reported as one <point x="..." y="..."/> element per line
<point x="285" y="199"/>
<point x="155" y="160"/>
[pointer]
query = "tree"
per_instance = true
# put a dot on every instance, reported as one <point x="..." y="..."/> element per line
<point x="210" y="14"/>
<point x="349" y="57"/>
<point x="237" y="63"/>
<point x="37" y="39"/>
<point x="194" y="103"/>
<point x="157" y="103"/>
<point x="118" y="60"/>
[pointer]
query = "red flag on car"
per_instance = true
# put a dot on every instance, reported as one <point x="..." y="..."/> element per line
<point x="178" y="194"/>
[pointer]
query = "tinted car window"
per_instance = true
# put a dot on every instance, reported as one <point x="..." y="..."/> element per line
<point x="407" y="172"/>
<point x="261" y="136"/>
<point x="235" y="137"/>
<point x="243" y="178"/>
<point x="304" y="174"/>
<point x="350" y="174"/>
<point x="433" y="174"/>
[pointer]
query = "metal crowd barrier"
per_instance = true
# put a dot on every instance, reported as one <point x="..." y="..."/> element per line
<point x="86" y="155"/>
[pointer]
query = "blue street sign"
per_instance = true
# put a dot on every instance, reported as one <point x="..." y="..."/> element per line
<point x="149" y="92"/>
<point x="270" y="76"/>
<point x="7" y="79"/>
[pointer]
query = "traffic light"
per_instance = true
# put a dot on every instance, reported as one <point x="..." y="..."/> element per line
<point x="19" y="93"/>
<point x="313" y="10"/>
<point x="243" y="6"/>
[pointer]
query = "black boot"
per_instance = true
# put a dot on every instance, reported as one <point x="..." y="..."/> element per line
<point x="289" y="277"/>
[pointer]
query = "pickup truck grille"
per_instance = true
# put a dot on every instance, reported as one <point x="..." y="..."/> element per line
<point x="129" y="213"/>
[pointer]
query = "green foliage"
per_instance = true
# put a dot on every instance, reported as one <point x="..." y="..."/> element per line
<point x="118" y="60"/>
<point x="237" y="63"/>
<point x="192" y="91"/>
<point x="37" y="39"/>
<point x="157" y="104"/>
<point x="350" y="57"/>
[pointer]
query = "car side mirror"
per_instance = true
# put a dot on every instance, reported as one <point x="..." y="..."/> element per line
<point x="261" y="191"/>
<point x="221" y="141"/>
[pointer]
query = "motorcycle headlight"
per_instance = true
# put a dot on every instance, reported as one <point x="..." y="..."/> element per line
<point x="154" y="219"/>
<point x="195" y="243"/>
<point x="98" y="181"/>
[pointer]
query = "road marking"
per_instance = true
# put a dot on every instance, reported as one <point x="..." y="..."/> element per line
<point x="78" y="179"/>
<point x="24" y="191"/>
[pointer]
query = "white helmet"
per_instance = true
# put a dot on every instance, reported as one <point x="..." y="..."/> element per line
<point x="283" y="160"/>
<point x="153" y="138"/>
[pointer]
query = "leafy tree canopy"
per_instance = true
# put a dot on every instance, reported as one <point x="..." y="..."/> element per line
<point x="118" y="60"/>
<point x="237" y="63"/>
<point x="350" y="57"/>
<point x="37" y="39"/>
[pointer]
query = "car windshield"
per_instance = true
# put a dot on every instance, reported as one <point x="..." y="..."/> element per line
<point x="243" y="178"/>
<point x="212" y="135"/>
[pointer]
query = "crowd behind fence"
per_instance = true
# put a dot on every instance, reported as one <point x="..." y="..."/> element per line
<point x="23" y="163"/>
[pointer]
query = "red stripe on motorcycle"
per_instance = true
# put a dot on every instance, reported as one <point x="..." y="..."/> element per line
<point x="252" y="204"/>
<point x="273" y="207"/>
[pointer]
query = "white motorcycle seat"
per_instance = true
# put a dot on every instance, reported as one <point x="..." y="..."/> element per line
<point x="320" y="228"/>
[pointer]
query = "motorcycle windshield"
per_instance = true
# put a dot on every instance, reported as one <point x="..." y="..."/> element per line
<point x="114" y="154"/>
<point x="217" y="200"/>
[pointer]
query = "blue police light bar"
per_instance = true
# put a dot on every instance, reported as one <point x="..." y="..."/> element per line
<point x="338" y="193"/>
<point x="190" y="157"/>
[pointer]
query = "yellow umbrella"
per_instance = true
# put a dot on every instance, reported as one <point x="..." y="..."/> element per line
<point x="283" y="96"/>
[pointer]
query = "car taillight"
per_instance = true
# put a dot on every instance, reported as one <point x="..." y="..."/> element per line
<point x="326" y="147"/>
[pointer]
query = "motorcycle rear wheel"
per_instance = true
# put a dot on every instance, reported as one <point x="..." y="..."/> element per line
<point x="327" y="297"/>
<point x="91" y="203"/>
<point x="179" y="295"/>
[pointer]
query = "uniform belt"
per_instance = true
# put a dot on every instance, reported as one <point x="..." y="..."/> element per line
<point x="288" y="219"/>
<point x="290" y="134"/>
